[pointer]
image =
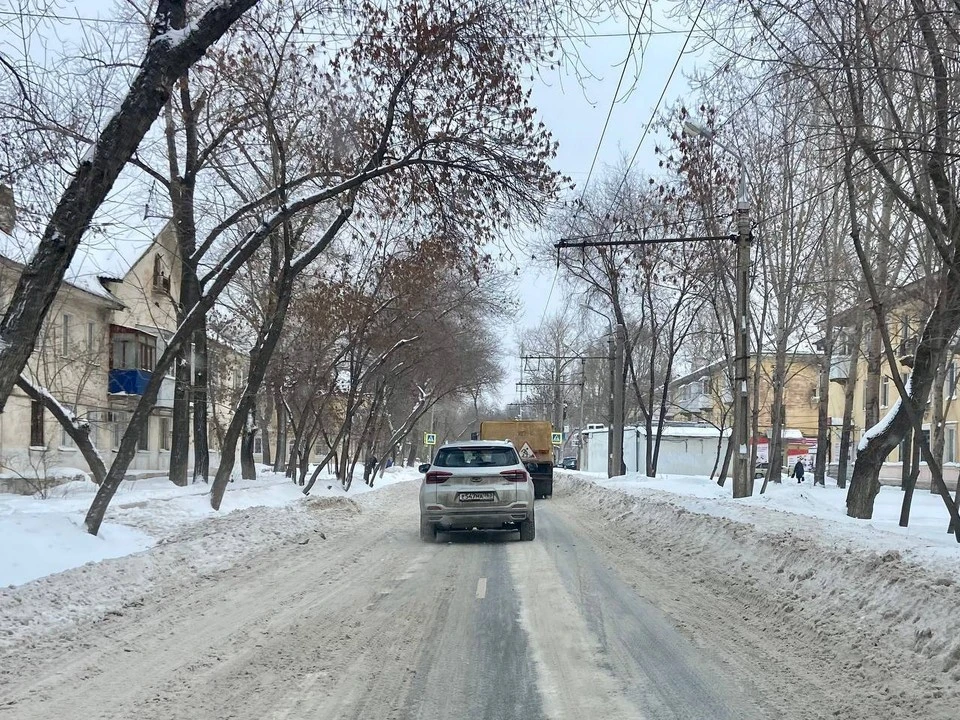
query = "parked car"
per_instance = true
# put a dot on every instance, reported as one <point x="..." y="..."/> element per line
<point x="569" y="463"/>
<point x="476" y="485"/>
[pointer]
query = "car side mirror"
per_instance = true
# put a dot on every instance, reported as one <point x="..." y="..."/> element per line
<point x="423" y="468"/>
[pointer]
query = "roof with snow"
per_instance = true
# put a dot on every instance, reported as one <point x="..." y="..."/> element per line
<point x="801" y="350"/>
<point x="689" y="431"/>
<point x="121" y="232"/>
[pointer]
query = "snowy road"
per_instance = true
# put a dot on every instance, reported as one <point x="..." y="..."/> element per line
<point x="372" y="623"/>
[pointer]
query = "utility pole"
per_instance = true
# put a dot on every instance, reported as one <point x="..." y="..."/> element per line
<point x="742" y="477"/>
<point x="616" y="454"/>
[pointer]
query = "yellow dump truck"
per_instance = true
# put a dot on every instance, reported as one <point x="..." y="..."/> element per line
<point x="533" y="441"/>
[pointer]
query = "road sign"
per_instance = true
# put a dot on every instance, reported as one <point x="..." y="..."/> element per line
<point x="557" y="438"/>
<point x="429" y="438"/>
<point x="527" y="453"/>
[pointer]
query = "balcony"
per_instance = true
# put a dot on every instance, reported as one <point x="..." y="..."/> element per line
<point x="840" y="368"/>
<point x="125" y="381"/>
<point x="907" y="349"/>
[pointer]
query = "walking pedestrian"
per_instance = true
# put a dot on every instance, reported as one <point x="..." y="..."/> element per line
<point x="798" y="471"/>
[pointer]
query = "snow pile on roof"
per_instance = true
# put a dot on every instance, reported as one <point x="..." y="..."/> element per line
<point x="122" y="230"/>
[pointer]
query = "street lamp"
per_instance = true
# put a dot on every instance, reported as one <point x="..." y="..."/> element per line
<point x="742" y="481"/>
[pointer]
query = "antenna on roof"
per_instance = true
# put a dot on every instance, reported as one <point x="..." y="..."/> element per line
<point x="146" y="205"/>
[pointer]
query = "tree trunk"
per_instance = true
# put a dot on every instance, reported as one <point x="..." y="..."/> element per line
<point x="266" y="455"/>
<point x="937" y="413"/>
<point x="846" y="429"/>
<point x="201" y="427"/>
<point x="824" y="422"/>
<point x="775" y="442"/>
<point x="906" y="450"/>
<point x="755" y="419"/>
<point x="412" y="455"/>
<point x="248" y="465"/>
<point x="280" y="463"/>
<point x="305" y="462"/>
<point x="956" y="503"/>
<point x="259" y="360"/>
<point x="913" y="463"/>
<point x="41" y="279"/>
<point x="871" y="389"/>
<point x="180" y="440"/>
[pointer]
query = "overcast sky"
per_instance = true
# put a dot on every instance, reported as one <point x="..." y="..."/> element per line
<point x="574" y="109"/>
<point x="575" y="113"/>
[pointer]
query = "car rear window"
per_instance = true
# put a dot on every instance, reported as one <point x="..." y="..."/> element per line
<point x="476" y="457"/>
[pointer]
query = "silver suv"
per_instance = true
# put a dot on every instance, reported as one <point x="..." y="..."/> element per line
<point x="476" y="484"/>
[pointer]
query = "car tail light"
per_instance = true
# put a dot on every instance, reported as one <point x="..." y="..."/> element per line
<point x="435" y="477"/>
<point x="514" y="475"/>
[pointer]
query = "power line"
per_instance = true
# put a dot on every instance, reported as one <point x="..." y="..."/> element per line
<point x="596" y="152"/>
<point x="656" y="108"/>
<point x="613" y="101"/>
<point x="345" y="35"/>
<point x="643" y="228"/>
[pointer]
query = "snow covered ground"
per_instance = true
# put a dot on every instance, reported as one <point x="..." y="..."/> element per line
<point x="821" y="511"/>
<point x="55" y="575"/>
<point x="44" y="536"/>
<point x="877" y="601"/>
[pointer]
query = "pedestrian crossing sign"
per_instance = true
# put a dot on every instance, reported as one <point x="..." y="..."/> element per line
<point x="557" y="438"/>
<point x="429" y="438"/>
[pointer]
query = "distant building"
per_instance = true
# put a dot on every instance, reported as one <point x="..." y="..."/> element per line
<point x="100" y="342"/>
<point x="704" y="396"/>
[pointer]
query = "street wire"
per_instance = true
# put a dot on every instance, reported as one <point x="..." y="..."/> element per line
<point x="603" y="133"/>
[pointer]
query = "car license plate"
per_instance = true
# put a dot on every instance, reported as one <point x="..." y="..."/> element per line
<point x="477" y="497"/>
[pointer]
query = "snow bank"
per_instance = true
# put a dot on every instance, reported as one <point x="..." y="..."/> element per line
<point x="160" y="534"/>
<point x="880" y="600"/>
<point x="40" y="537"/>
<point x="35" y="545"/>
<point x="820" y="509"/>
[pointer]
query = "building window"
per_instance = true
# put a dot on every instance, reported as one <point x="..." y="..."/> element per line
<point x="65" y="440"/>
<point x="257" y="445"/>
<point x="65" y="334"/>
<point x="117" y="422"/>
<point x="950" y="444"/>
<point x="166" y="433"/>
<point x="842" y="345"/>
<point x="951" y="385"/>
<point x="143" y="442"/>
<point x="91" y="337"/>
<point x="148" y="352"/>
<point x="36" y="424"/>
<point x="161" y="280"/>
<point x="885" y="392"/>
<point x="132" y="350"/>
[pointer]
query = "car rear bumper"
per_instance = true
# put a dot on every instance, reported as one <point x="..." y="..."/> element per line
<point x="456" y="519"/>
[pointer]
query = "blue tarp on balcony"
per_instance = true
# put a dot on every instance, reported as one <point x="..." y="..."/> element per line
<point x="130" y="382"/>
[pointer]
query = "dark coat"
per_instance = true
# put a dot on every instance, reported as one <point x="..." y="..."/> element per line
<point x="798" y="469"/>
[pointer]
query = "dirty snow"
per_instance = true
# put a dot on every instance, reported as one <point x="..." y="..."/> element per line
<point x="41" y="537"/>
<point x="792" y="506"/>
<point x="155" y="532"/>
<point x="874" y="602"/>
